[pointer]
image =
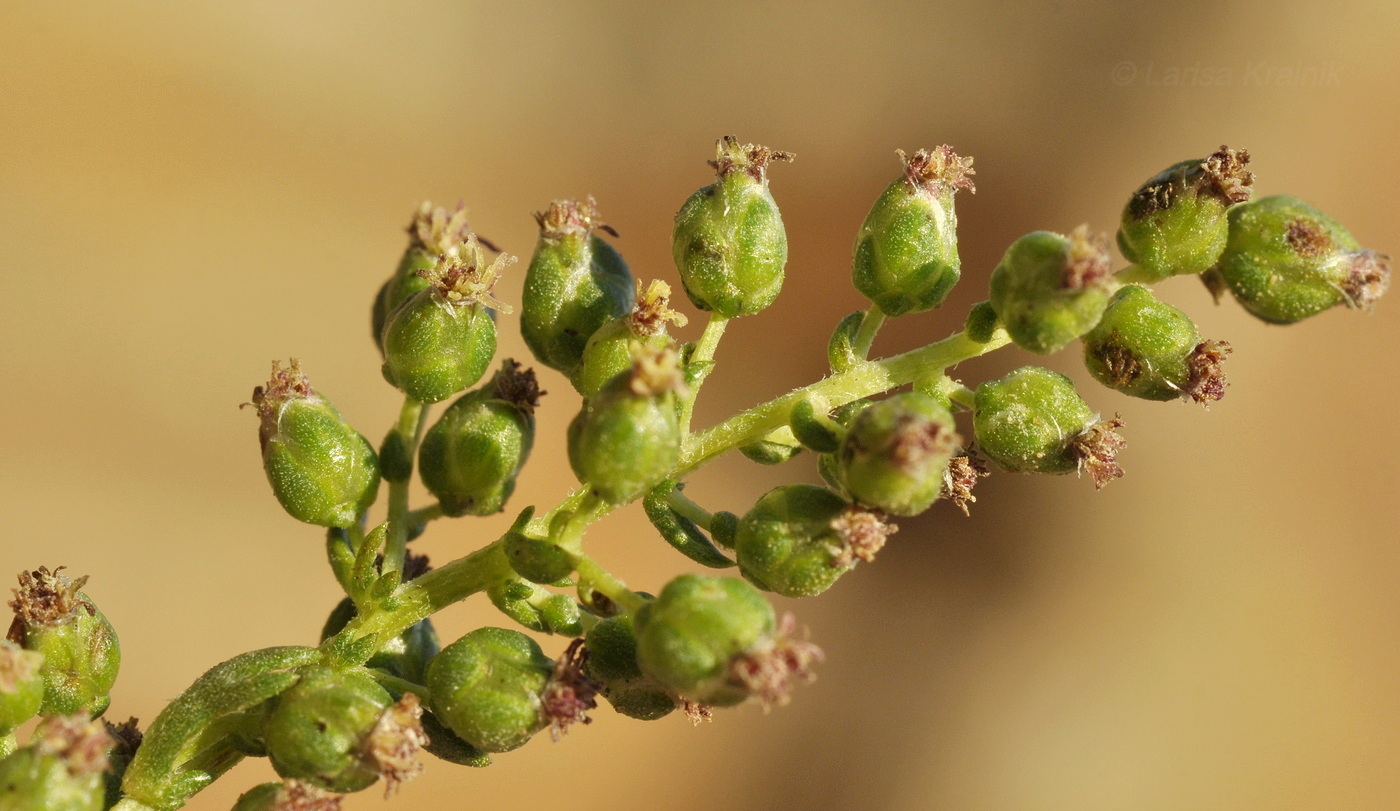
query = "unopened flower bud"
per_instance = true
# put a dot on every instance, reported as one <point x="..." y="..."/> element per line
<point x="535" y="608"/>
<point x="60" y="770"/>
<point x="1177" y="222"/>
<point x="1050" y="289"/>
<point x="1286" y="261"/>
<point x="434" y="232"/>
<point x="575" y="284"/>
<point x="799" y="539"/>
<point x="341" y="731"/>
<point x="1147" y="348"/>
<point x="906" y="254"/>
<point x="1033" y="421"/>
<point x="611" y="349"/>
<point x="773" y="448"/>
<point x="441" y="341"/>
<point x="896" y="451"/>
<point x="612" y="663"/>
<point x="80" y="651"/>
<point x="470" y="457"/>
<point x="321" y="470"/>
<point x="288" y="795"/>
<point x="495" y="688"/>
<point x="628" y="437"/>
<point x="716" y="641"/>
<point x="21" y="685"/>
<point x="729" y="243"/>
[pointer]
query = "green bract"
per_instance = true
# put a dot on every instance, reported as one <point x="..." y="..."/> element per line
<point x="1176" y="223"/>
<point x="60" y="770"/>
<point x="470" y="457"/>
<point x="729" y="243"/>
<point x="1050" y="289"/>
<point x="320" y="729"/>
<point x="799" y="538"/>
<point x="1033" y="421"/>
<point x="486" y="688"/>
<point x="575" y="284"/>
<point x="1286" y="261"/>
<point x="21" y="685"/>
<point x="896" y="451"/>
<point x="80" y="651"/>
<point x="1147" y="348"/>
<point x="441" y="340"/>
<point x="628" y="436"/>
<point x="906" y="254"/>
<point x="536" y="608"/>
<point x="322" y="471"/>
<point x="612" y="348"/>
<point x="433" y="233"/>
<point x="405" y="656"/>
<point x="612" y="663"/>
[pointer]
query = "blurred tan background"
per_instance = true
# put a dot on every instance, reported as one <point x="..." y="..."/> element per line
<point x="188" y="190"/>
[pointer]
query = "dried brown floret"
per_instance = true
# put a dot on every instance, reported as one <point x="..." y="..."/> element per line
<point x="570" y="694"/>
<point x="915" y="438"/>
<point x="80" y="742"/>
<point x="1096" y="451"/>
<point x="655" y="372"/>
<point x="1205" y="382"/>
<point x="1367" y="279"/>
<point x="1307" y="238"/>
<point x="767" y="671"/>
<point x="1226" y="176"/>
<point x="48" y="598"/>
<point x="1087" y="263"/>
<point x="392" y="746"/>
<point x="299" y="795"/>
<point x="518" y="386"/>
<point x="126" y="738"/>
<point x="564" y="217"/>
<point x="695" y="712"/>
<point x="439" y="231"/>
<point x="466" y="277"/>
<point x="731" y="156"/>
<point x="1119" y="362"/>
<point x="961" y="476"/>
<point x="939" y="170"/>
<point x="17" y="666"/>
<point x="652" y="310"/>
<point x="862" y="532"/>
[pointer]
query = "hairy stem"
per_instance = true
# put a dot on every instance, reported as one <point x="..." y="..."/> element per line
<point x="703" y="354"/>
<point x="870" y="324"/>
<point x="409" y="429"/>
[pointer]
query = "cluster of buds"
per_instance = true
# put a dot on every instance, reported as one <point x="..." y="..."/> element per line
<point x="380" y="689"/>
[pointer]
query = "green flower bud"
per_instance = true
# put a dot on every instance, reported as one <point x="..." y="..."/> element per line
<point x="60" y="770"/>
<point x="495" y="689"/>
<point x="828" y="465"/>
<point x="440" y="341"/>
<point x="1177" y="222"/>
<point x="433" y="232"/>
<point x="610" y="350"/>
<point x="470" y="457"/>
<point x="341" y="731"/>
<point x="981" y="322"/>
<point x="406" y="655"/>
<point x="575" y="284"/>
<point x="80" y="651"/>
<point x="536" y="608"/>
<point x="1050" y="289"/>
<point x="895" y="454"/>
<point x="322" y="471"/>
<point x="1147" y="348"/>
<point x="799" y="538"/>
<point x="628" y="437"/>
<point x="289" y="795"/>
<point x="774" y="448"/>
<point x="1033" y="421"/>
<point x="1286" y="261"/>
<point x="715" y="641"/>
<point x="21" y="685"/>
<point x="906" y="254"/>
<point x="729" y="244"/>
<point x="612" y="663"/>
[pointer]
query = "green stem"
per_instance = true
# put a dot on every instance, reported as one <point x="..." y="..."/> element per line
<point x="870" y="324"/>
<point x="394" y="684"/>
<point x="704" y="353"/>
<point x="423" y="515"/>
<point x="686" y="508"/>
<point x="409" y="429"/>
<point x="1133" y="274"/>
<point x="608" y="584"/>
<point x="128" y="804"/>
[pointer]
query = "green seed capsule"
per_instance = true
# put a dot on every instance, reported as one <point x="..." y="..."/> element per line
<point x="1147" y="348"/>
<point x="486" y="688"/>
<point x="828" y="465"/>
<point x="322" y="471"/>
<point x="799" y="538"/>
<point x="612" y="663"/>
<point x="471" y="456"/>
<point x="610" y="349"/>
<point x="575" y="284"/>
<point x="80" y="651"/>
<point x="1033" y="421"/>
<point x="21" y="685"/>
<point x="440" y="341"/>
<point x="1050" y="289"/>
<point x="405" y="656"/>
<point x="628" y="437"/>
<point x="434" y="232"/>
<point x="1286" y="261"/>
<point x="716" y="641"/>
<point x="895" y="454"/>
<point x="1177" y="222"/>
<point x="729" y="243"/>
<point x="60" y="770"/>
<point x="340" y="731"/>
<point x="906" y="254"/>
